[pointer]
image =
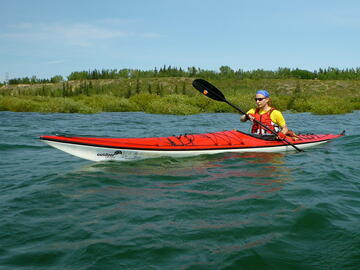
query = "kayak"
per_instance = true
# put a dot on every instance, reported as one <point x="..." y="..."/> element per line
<point x="126" y="149"/>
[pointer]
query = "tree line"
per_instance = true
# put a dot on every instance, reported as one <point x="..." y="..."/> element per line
<point x="35" y="80"/>
<point x="224" y="72"/>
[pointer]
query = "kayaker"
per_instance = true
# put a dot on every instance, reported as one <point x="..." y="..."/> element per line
<point x="268" y="116"/>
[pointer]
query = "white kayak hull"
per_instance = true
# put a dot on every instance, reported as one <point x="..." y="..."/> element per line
<point x="98" y="153"/>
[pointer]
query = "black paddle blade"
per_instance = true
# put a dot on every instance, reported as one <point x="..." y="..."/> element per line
<point x="208" y="89"/>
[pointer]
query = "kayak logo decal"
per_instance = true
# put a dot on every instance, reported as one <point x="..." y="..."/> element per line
<point x="109" y="155"/>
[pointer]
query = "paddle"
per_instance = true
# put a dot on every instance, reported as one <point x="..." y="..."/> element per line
<point x="212" y="92"/>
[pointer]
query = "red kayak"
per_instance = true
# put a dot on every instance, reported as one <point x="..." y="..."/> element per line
<point x="123" y="149"/>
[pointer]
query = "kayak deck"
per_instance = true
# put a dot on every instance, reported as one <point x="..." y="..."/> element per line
<point x="98" y="149"/>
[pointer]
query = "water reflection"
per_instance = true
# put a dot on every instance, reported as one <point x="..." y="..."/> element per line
<point x="201" y="197"/>
<point x="254" y="172"/>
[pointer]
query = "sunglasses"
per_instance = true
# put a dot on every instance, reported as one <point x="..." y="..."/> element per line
<point x="259" y="99"/>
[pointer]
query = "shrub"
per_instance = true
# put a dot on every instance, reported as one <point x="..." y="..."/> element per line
<point x="143" y="100"/>
<point x="173" y="104"/>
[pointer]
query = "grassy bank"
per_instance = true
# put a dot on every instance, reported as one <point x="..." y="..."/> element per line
<point x="177" y="96"/>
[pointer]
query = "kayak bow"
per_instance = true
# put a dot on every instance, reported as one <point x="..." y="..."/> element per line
<point x="124" y="149"/>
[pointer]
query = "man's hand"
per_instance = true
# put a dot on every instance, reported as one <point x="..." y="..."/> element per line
<point x="281" y="135"/>
<point x="246" y="117"/>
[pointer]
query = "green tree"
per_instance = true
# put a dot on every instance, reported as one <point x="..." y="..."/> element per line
<point x="57" y="79"/>
<point x="226" y="71"/>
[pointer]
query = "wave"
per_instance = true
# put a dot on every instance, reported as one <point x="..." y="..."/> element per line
<point x="6" y="146"/>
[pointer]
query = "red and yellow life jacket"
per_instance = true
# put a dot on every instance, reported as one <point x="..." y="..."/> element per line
<point x="264" y="119"/>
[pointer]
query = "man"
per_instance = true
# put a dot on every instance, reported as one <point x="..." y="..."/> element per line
<point x="268" y="116"/>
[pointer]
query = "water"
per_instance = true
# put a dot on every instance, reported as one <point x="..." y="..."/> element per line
<point x="228" y="211"/>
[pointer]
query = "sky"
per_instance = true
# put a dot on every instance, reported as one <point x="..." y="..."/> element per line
<point x="45" y="38"/>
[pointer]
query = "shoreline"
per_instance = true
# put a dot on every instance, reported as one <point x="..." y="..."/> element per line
<point x="177" y="96"/>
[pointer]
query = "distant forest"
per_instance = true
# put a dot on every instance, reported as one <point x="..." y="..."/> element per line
<point x="225" y="72"/>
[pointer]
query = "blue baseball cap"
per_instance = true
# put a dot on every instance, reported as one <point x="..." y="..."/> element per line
<point x="264" y="93"/>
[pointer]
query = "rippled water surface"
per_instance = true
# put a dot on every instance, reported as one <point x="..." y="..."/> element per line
<point x="228" y="211"/>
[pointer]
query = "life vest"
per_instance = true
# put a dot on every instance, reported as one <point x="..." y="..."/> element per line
<point x="264" y="119"/>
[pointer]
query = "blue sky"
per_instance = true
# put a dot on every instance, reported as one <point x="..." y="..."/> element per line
<point x="46" y="38"/>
